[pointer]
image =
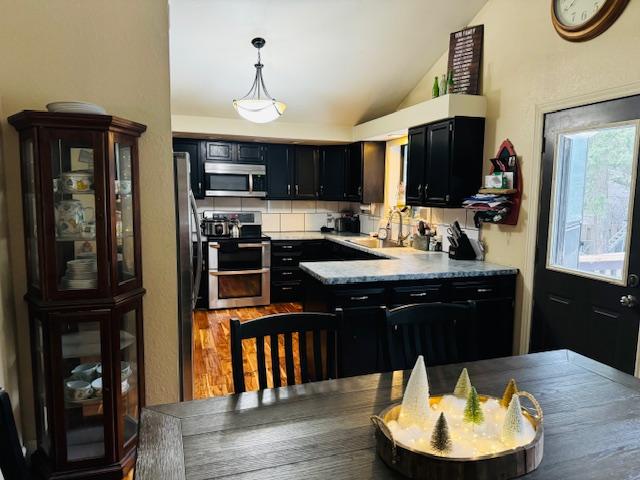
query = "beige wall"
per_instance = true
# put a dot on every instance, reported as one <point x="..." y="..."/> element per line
<point x="8" y="353"/>
<point x="116" y="54"/>
<point x="526" y="65"/>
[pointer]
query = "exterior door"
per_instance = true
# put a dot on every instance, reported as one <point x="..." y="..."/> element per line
<point x="588" y="251"/>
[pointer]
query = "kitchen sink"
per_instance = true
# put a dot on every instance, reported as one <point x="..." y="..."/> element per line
<point x="374" y="243"/>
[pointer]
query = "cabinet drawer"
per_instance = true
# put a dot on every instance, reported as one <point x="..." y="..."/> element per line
<point x="286" y="292"/>
<point x="286" y="275"/>
<point x="475" y="290"/>
<point x="417" y="294"/>
<point x="293" y="246"/>
<point x="360" y="298"/>
<point x="285" y="259"/>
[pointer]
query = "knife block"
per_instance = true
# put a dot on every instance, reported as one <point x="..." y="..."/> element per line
<point x="464" y="250"/>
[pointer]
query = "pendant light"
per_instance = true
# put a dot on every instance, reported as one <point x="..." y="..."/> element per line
<point x="257" y="105"/>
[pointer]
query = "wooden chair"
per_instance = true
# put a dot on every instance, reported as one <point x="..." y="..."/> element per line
<point x="441" y="332"/>
<point x="12" y="462"/>
<point x="286" y="324"/>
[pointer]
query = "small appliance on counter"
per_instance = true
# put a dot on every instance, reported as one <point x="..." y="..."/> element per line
<point x="347" y="223"/>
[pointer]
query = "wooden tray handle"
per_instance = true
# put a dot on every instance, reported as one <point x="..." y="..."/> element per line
<point x="539" y="415"/>
<point x="378" y="422"/>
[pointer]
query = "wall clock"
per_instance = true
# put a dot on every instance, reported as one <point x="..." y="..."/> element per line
<point x="580" y="20"/>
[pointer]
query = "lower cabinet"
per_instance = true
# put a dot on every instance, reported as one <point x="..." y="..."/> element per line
<point x="362" y="345"/>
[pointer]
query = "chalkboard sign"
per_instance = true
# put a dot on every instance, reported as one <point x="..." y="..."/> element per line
<point x="465" y="56"/>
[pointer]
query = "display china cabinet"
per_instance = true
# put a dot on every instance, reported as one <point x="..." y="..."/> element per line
<point x="82" y="242"/>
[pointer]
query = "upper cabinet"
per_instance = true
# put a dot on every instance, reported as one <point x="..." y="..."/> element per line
<point x="332" y="166"/>
<point x="305" y="170"/>
<point x="234" y="152"/>
<point x="196" y="150"/>
<point x="364" y="172"/>
<point x="444" y="163"/>
<point x="279" y="171"/>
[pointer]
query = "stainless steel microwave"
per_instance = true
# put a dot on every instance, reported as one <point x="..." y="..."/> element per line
<point x="234" y="180"/>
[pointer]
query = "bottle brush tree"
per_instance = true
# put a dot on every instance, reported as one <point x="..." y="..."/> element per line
<point x="440" y="439"/>
<point x="463" y="386"/>
<point x="509" y="390"/>
<point x="473" y="410"/>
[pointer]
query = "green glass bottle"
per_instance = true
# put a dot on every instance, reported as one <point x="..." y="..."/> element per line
<point x="450" y="82"/>
<point x="435" y="92"/>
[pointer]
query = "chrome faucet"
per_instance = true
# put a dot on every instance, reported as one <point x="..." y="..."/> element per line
<point x="399" y="211"/>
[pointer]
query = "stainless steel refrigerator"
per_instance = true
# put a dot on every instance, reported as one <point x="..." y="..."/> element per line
<point x="189" y="237"/>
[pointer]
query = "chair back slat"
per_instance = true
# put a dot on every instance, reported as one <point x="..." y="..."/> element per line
<point x="262" y="367"/>
<point x="302" y="351"/>
<point x="436" y="331"/>
<point x="275" y="361"/>
<point x="288" y="359"/>
<point x="236" y="357"/>
<point x="287" y="324"/>
<point x="12" y="462"/>
<point x="317" y="354"/>
<point x="331" y="355"/>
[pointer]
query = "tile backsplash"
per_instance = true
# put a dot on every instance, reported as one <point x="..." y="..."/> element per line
<point x="283" y="215"/>
<point x="311" y="215"/>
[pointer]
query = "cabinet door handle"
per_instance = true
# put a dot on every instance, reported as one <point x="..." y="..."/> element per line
<point x="359" y="190"/>
<point x="287" y="259"/>
<point x="321" y="189"/>
<point x="419" y="189"/>
<point x="285" y="289"/>
<point x="286" y="274"/>
<point x="288" y="189"/>
<point x="421" y="294"/>
<point x="485" y="290"/>
<point x="297" y="189"/>
<point x="288" y="247"/>
<point x="359" y="299"/>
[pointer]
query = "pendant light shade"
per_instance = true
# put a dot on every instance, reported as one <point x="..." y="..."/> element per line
<point x="257" y="105"/>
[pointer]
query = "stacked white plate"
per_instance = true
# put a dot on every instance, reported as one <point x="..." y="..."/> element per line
<point x="76" y="107"/>
<point x="81" y="274"/>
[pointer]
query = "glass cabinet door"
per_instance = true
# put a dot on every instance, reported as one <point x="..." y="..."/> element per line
<point x="40" y="390"/>
<point x="75" y="185"/>
<point x="125" y="224"/>
<point x="130" y="406"/>
<point x="85" y="383"/>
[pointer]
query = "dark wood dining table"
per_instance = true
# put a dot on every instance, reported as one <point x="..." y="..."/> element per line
<point x="322" y="430"/>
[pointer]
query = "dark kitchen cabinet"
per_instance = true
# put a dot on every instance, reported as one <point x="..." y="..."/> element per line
<point x="220" y="151"/>
<point x="279" y="171"/>
<point x="232" y="152"/>
<point x="332" y="168"/>
<point x="415" y="165"/>
<point x="362" y="347"/>
<point x="364" y="172"/>
<point x="196" y="151"/>
<point x="444" y="163"/>
<point x="305" y="174"/>
<point x="250" y="153"/>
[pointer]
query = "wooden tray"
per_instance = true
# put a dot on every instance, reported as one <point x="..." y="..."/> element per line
<point x="421" y="465"/>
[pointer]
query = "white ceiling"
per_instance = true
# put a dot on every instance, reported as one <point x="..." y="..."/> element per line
<point x="337" y="62"/>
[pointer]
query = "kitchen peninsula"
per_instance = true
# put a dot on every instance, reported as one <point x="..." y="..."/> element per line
<point x="344" y="273"/>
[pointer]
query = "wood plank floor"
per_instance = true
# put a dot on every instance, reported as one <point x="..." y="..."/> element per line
<point x="212" y="374"/>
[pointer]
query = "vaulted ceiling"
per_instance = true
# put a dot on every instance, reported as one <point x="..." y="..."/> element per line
<point x="338" y="62"/>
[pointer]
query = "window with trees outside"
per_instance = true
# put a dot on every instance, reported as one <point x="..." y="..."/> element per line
<point x="592" y="201"/>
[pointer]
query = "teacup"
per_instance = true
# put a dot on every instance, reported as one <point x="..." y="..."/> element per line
<point x="78" y="390"/>
<point x="85" y="371"/>
<point x="97" y="387"/>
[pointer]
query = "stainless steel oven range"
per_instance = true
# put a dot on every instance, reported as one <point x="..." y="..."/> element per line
<point x="239" y="267"/>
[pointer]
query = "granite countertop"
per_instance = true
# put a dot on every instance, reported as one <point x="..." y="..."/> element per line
<point x="396" y="263"/>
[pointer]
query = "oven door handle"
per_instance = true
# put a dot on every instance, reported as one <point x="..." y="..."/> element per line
<point x="217" y="273"/>
<point x="252" y="245"/>
<point x="251" y="183"/>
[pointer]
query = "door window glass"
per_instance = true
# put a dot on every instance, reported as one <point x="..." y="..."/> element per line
<point x="592" y="201"/>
